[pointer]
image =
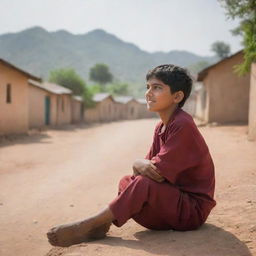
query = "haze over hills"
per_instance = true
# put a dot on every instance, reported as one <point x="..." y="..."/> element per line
<point x="39" y="51"/>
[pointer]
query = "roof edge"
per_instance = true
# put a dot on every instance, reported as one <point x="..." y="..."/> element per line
<point x="20" y="70"/>
<point x="203" y="73"/>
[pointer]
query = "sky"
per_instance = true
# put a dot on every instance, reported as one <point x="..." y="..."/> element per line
<point x="152" y="25"/>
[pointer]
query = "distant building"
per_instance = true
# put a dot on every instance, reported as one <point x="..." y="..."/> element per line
<point x="190" y="104"/>
<point x="103" y="111"/>
<point x="143" y="110"/>
<point x="133" y="109"/>
<point x="224" y="96"/>
<point x="49" y="104"/>
<point x="14" y="100"/>
<point x="77" y="109"/>
<point x="252" y="105"/>
<point x="123" y="108"/>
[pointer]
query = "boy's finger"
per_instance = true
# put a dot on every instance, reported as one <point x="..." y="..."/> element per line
<point x="151" y="176"/>
<point x="156" y="174"/>
<point x="153" y="166"/>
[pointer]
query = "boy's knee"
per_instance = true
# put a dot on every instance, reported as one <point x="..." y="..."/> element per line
<point x="124" y="182"/>
<point x="144" y="180"/>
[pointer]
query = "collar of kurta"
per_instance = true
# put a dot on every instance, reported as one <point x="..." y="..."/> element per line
<point x="176" y="111"/>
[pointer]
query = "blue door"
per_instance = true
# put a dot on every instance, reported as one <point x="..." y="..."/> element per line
<point x="47" y="110"/>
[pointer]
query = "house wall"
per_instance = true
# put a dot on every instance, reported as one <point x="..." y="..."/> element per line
<point x="63" y="109"/>
<point x="227" y="97"/>
<point x="119" y="109"/>
<point x="143" y="112"/>
<point x="14" y="115"/>
<point x="37" y="107"/>
<point x="190" y="104"/>
<point x="133" y="110"/>
<point x="252" y="106"/>
<point x="76" y="111"/>
<point x="200" y="104"/>
<point x="106" y="110"/>
<point x="91" y="115"/>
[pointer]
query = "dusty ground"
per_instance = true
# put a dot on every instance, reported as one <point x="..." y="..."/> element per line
<point x="64" y="175"/>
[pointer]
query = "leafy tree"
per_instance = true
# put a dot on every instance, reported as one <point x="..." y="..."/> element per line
<point x="221" y="49"/>
<point x="87" y="96"/>
<point x="245" y="10"/>
<point x="69" y="79"/>
<point x="96" y="88"/>
<point x="100" y="73"/>
<point x="118" y="89"/>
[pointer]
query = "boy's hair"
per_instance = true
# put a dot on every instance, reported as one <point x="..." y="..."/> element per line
<point x="176" y="77"/>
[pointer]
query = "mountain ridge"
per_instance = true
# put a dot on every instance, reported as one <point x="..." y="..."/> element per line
<point x="39" y="51"/>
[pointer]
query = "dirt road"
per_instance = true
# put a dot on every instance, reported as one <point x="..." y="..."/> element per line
<point x="64" y="175"/>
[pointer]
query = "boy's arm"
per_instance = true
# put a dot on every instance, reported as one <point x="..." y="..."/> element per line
<point x="184" y="148"/>
<point x="144" y="167"/>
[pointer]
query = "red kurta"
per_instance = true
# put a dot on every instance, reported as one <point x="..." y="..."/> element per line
<point x="185" y="199"/>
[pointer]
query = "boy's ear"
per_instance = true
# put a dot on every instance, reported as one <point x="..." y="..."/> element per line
<point x="178" y="97"/>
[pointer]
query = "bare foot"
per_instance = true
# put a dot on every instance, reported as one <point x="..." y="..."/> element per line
<point x="77" y="232"/>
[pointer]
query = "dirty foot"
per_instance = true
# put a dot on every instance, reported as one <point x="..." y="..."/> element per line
<point x="77" y="232"/>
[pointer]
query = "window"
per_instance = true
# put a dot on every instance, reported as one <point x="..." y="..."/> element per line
<point x="8" y="93"/>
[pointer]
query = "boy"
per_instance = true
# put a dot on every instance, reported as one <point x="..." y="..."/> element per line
<point x="173" y="187"/>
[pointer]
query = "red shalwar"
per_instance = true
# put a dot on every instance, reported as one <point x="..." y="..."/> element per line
<point x="184" y="200"/>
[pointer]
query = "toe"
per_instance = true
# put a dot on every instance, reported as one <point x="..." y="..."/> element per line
<point x="53" y="240"/>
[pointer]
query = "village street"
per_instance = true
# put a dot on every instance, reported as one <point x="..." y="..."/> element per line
<point x="60" y="176"/>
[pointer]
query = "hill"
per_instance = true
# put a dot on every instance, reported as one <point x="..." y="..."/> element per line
<point x="39" y="51"/>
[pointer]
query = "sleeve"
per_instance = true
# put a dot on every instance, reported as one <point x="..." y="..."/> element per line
<point x="183" y="149"/>
<point x="151" y="150"/>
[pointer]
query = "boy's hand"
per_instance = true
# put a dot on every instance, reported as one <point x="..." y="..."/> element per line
<point x="144" y="167"/>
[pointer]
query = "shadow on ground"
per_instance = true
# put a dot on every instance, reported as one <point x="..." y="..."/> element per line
<point x="210" y="240"/>
<point x="40" y="135"/>
<point x="24" y="139"/>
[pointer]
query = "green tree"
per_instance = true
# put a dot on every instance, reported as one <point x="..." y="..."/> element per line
<point x="87" y="96"/>
<point x="118" y="89"/>
<point x="221" y="49"/>
<point x="100" y="73"/>
<point x="245" y="10"/>
<point x="69" y="79"/>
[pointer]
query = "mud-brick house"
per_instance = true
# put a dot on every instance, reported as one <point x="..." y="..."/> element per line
<point x="133" y="109"/>
<point x="49" y="104"/>
<point x="119" y="107"/>
<point x="14" y="100"/>
<point x="143" y="111"/>
<point x="130" y="109"/>
<point x="190" y="104"/>
<point x="121" y="103"/>
<point x="77" y="109"/>
<point x="252" y="105"/>
<point x="225" y="95"/>
<point x="103" y="111"/>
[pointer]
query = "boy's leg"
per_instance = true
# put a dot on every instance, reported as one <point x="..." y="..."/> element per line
<point x="74" y="233"/>
<point x="153" y="205"/>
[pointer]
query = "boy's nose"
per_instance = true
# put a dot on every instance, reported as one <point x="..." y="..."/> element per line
<point x="148" y="92"/>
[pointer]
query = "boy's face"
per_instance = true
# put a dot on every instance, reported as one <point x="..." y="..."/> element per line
<point x="159" y="97"/>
